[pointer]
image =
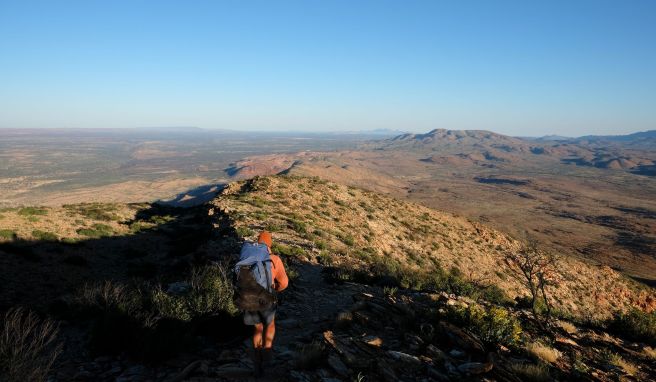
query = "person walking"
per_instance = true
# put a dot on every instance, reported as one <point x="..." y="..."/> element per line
<point x="259" y="267"/>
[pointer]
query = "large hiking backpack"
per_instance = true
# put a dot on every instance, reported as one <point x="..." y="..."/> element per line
<point x="253" y="281"/>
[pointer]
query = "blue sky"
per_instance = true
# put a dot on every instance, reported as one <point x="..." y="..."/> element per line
<point x="514" y="67"/>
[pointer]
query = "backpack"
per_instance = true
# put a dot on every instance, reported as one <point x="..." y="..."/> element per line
<point x="253" y="281"/>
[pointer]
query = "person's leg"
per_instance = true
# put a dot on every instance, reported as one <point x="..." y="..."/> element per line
<point x="257" y="348"/>
<point x="257" y="335"/>
<point x="269" y="334"/>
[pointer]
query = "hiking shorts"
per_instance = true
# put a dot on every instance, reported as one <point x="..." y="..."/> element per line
<point x="260" y="317"/>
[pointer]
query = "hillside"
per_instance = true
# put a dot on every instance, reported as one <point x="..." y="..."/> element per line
<point x="584" y="201"/>
<point x="350" y="228"/>
<point x="381" y="289"/>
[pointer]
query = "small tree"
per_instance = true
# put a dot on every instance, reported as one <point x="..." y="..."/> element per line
<point x="535" y="269"/>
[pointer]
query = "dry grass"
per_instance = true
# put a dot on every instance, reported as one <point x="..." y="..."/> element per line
<point x="344" y="319"/>
<point x="616" y="360"/>
<point x="531" y="372"/>
<point x="310" y="355"/>
<point x="567" y="327"/>
<point x="543" y="352"/>
<point x="628" y="367"/>
<point x="649" y="352"/>
<point x="28" y="347"/>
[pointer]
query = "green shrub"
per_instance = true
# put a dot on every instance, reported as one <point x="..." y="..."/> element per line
<point x="321" y="244"/>
<point x="96" y="231"/>
<point x="273" y="227"/>
<point x="161" y="219"/>
<point x="138" y="226"/>
<point x="286" y="250"/>
<point x="43" y="235"/>
<point x="492" y="324"/>
<point x="257" y="201"/>
<point x="390" y="291"/>
<point x="325" y="258"/>
<point x="346" y="238"/>
<point x="30" y="211"/>
<point x="7" y="234"/>
<point x="170" y="306"/>
<point x="95" y="211"/>
<point x="110" y="296"/>
<point x="636" y="324"/>
<point x="298" y="226"/>
<point x="244" y="231"/>
<point x="145" y="321"/>
<point x="260" y="215"/>
<point x="212" y="291"/>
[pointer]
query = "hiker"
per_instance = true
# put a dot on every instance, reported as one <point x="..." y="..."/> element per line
<point x="256" y="268"/>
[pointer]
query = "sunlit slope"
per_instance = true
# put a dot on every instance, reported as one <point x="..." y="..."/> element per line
<point x="349" y="228"/>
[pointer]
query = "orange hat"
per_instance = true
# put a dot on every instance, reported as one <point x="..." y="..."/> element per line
<point x="265" y="237"/>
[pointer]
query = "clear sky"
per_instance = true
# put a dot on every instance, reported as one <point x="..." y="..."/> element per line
<point x="515" y="67"/>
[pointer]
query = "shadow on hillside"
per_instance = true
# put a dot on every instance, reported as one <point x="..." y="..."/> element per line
<point x="646" y="281"/>
<point x="165" y="245"/>
<point x="194" y="197"/>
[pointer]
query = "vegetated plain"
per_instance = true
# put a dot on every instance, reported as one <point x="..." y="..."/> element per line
<point x="63" y="166"/>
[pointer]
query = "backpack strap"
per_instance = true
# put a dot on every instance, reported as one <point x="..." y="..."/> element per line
<point x="269" y="276"/>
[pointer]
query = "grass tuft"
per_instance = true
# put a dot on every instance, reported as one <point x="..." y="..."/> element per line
<point x="543" y="352"/>
<point x="531" y="372"/>
<point x="98" y="230"/>
<point x="44" y="235"/>
<point x="7" y="234"/>
<point x="31" y="211"/>
<point x="28" y="346"/>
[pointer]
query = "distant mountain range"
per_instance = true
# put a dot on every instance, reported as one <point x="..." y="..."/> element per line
<point x="642" y="138"/>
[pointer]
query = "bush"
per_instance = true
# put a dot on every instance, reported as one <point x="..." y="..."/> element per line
<point x="7" y="234"/>
<point x="145" y="321"/>
<point x="321" y="244"/>
<point x="139" y="226"/>
<point x="212" y="291"/>
<point x="244" y="231"/>
<point x="325" y="258"/>
<point x="286" y="250"/>
<point x="298" y="226"/>
<point x="28" y="347"/>
<point x="346" y="239"/>
<point x="44" y="235"/>
<point x="493" y="324"/>
<point x="31" y="211"/>
<point x="636" y="324"/>
<point x="95" y="211"/>
<point x="98" y="230"/>
<point x="110" y="296"/>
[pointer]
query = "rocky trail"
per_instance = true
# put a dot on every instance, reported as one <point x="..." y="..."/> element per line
<point x="307" y="309"/>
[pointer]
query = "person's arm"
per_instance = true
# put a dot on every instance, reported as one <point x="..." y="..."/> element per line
<point x="280" y="277"/>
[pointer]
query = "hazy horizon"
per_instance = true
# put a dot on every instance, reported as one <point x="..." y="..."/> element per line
<point x="520" y="69"/>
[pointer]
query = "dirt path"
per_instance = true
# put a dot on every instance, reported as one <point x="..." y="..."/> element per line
<point x="308" y="307"/>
